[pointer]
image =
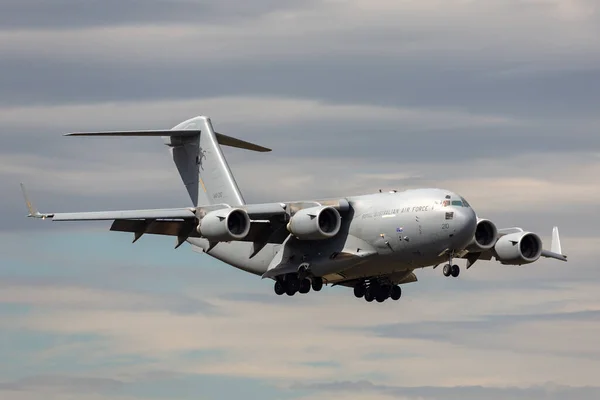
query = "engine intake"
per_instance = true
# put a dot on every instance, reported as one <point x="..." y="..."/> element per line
<point x="518" y="248"/>
<point x="485" y="237"/>
<point x="224" y="225"/>
<point x="315" y="223"/>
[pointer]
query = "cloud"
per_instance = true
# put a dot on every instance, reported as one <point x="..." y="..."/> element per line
<point x="81" y="298"/>
<point x="238" y="110"/>
<point x="63" y="384"/>
<point x="547" y="391"/>
<point x="73" y="14"/>
<point x="496" y="100"/>
<point x="345" y="346"/>
<point x="356" y="27"/>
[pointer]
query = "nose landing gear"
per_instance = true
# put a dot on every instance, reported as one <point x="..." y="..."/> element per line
<point x="450" y="269"/>
<point x="453" y="270"/>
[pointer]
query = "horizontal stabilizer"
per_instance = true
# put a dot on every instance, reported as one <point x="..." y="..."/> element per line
<point x="162" y="132"/>
<point x="240" y="144"/>
<point x="222" y="139"/>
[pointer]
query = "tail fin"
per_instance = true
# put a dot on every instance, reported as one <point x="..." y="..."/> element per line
<point x="199" y="159"/>
<point x="202" y="165"/>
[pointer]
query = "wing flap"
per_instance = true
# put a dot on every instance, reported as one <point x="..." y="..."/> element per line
<point x="260" y="231"/>
<point x="153" y="227"/>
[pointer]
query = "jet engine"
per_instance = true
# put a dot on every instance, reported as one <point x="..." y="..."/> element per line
<point x="518" y="248"/>
<point x="315" y="223"/>
<point x="224" y="225"/>
<point x="485" y="236"/>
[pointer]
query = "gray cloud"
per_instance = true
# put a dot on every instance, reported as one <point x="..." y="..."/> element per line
<point x="96" y="294"/>
<point x="340" y="79"/>
<point x="476" y="333"/>
<point x="353" y="96"/>
<point x="63" y="14"/>
<point x="545" y="392"/>
<point x="67" y="384"/>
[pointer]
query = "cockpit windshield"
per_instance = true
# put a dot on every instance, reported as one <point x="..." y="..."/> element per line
<point x="457" y="203"/>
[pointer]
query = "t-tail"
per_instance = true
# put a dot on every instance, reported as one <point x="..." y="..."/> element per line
<point x="196" y="151"/>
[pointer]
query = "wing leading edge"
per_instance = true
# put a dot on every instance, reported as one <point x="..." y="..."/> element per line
<point x="160" y="213"/>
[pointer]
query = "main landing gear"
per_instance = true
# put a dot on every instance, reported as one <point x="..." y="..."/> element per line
<point x="290" y="284"/>
<point x="374" y="290"/>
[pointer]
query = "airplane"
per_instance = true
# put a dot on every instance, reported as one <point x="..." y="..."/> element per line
<point x="372" y="243"/>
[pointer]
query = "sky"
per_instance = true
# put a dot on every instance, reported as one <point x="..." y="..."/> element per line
<point x="494" y="99"/>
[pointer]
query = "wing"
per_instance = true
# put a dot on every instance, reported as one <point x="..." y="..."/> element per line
<point x="555" y="251"/>
<point x="267" y="221"/>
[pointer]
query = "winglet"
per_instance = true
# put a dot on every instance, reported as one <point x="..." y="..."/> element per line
<point x="555" y="246"/>
<point x="33" y="212"/>
<point x="555" y="249"/>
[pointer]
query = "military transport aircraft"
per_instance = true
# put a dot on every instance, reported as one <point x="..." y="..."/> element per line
<point x="371" y="243"/>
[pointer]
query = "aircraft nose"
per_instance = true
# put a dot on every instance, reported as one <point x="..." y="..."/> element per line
<point x="466" y="223"/>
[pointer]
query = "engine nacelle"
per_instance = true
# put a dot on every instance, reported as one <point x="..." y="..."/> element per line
<point x="485" y="237"/>
<point x="315" y="223"/>
<point x="518" y="248"/>
<point x="224" y="225"/>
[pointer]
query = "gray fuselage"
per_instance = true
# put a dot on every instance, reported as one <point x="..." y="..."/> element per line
<point x="382" y="233"/>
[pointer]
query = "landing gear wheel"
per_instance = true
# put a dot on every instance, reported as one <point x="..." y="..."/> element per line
<point x="369" y="296"/>
<point x="447" y="270"/>
<point x="290" y="291"/>
<point x="291" y="286"/>
<point x="279" y="288"/>
<point x="317" y="284"/>
<point x="396" y="293"/>
<point x="381" y="296"/>
<point x="359" y="290"/>
<point x="455" y="271"/>
<point x="294" y="284"/>
<point x="304" y="286"/>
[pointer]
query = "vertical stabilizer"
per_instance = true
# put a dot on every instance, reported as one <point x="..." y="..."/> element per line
<point x="202" y="165"/>
<point x="196" y="150"/>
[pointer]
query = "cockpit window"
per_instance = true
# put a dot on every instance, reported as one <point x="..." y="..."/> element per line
<point x="457" y="203"/>
<point x="465" y="202"/>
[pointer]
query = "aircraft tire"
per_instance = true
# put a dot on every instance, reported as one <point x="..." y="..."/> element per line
<point x="369" y="297"/>
<point x="381" y="296"/>
<point x="279" y="288"/>
<point x="304" y="286"/>
<point x="447" y="271"/>
<point x="292" y="284"/>
<point x="455" y="271"/>
<point x="317" y="284"/>
<point x="359" y="290"/>
<point x="396" y="293"/>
